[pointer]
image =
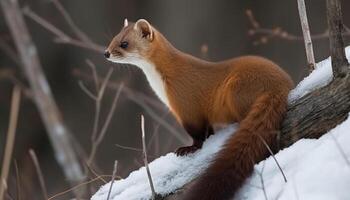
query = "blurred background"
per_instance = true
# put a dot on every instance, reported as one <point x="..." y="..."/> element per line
<point x="213" y="30"/>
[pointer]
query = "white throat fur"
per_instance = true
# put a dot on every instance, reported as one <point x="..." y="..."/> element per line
<point x="152" y="74"/>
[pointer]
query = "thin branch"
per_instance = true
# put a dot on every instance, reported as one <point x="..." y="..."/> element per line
<point x="306" y="33"/>
<point x="154" y="194"/>
<point x="18" y="182"/>
<point x="10" y="139"/>
<point x="133" y="149"/>
<point x="94" y="73"/>
<point x="99" y="93"/>
<point x="80" y="34"/>
<point x="273" y="156"/>
<point x="264" y="35"/>
<point x="100" y="137"/>
<point x="113" y="178"/>
<point x="48" y="26"/>
<point x="39" y="173"/>
<point x="86" y="90"/>
<point x="9" y="51"/>
<point x="96" y="175"/>
<point x="143" y="101"/>
<point x="61" y="36"/>
<point x="129" y="148"/>
<point x="110" y="115"/>
<point x="78" y="186"/>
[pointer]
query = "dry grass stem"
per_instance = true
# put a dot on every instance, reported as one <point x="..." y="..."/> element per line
<point x="273" y="156"/>
<point x="145" y="157"/>
<point x="78" y="186"/>
<point x="306" y="34"/>
<point x="18" y="182"/>
<point x="113" y="178"/>
<point x="39" y="173"/>
<point x="10" y="140"/>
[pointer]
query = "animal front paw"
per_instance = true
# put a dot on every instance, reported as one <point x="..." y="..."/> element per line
<point x="182" y="151"/>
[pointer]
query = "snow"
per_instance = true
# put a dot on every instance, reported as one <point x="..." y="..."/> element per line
<point x="315" y="169"/>
<point x="321" y="76"/>
<point x="169" y="172"/>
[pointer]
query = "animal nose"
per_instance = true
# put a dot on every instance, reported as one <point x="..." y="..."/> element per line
<point x="107" y="54"/>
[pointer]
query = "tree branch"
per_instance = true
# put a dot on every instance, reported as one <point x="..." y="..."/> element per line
<point x="58" y="133"/>
<point x="306" y="33"/>
<point x="340" y="64"/>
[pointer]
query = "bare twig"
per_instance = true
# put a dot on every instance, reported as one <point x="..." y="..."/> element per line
<point x="80" y="34"/>
<point x="129" y="148"/>
<point x="10" y="140"/>
<point x="306" y="33"/>
<point x="86" y="90"/>
<point x="39" y="173"/>
<point x="154" y="195"/>
<point x="18" y="182"/>
<point x="101" y="135"/>
<point x="9" y="51"/>
<point x="78" y="186"/>
<point x="264" y="35"/>
<point x="50" y="114"/>
<point x="100" y="93"/>
<point x="61" y="36"/>
<point x="143" y="101"/>
<point x="113" y="178"/>
<point x="273" y="156"/>
<point x="96" y="175"/>
<point x="133" y="149"/>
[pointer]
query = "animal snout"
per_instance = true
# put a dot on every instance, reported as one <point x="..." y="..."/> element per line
<point x="107" y="54"/>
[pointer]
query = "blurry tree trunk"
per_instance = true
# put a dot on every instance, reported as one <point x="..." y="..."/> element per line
<point x="58" y="133"/>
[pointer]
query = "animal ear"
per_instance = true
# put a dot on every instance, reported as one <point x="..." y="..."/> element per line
<point x="126" y="22"/>
<point x="145" y="28"/>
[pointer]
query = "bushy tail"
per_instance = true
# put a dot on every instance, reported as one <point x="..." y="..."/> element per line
<point x="235" y="161"/>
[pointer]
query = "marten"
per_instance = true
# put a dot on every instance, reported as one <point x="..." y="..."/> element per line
<point x="250" y="90"/>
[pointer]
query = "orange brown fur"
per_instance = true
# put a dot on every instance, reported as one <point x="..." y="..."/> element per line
<point x="250" y="90"/>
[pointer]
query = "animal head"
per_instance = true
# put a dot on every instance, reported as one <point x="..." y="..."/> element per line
<point x="133" y="43"/>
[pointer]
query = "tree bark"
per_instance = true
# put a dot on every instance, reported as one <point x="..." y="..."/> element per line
<point x="340" y="64"/>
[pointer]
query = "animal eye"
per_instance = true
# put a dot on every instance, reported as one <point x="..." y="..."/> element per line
<point x="124" y="45"/>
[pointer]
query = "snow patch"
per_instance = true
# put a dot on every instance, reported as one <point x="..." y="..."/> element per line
<point x="318" y="78"/>
<point x="169" y="172"/>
